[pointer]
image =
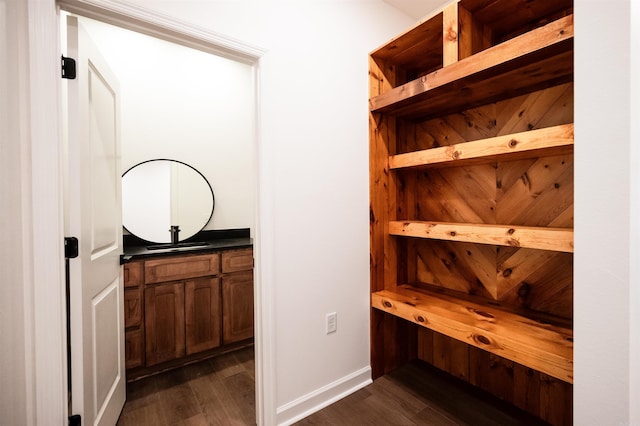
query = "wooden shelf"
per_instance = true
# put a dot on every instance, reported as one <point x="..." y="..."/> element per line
<point x="543" y="347"/>
<point x="408" y="49"/>
<point x="556" y="140"/>
<point x="554" y="239"/>
<point x="540" y="58"/>
<point x="416" y="50"/>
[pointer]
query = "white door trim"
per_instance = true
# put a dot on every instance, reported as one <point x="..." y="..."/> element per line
<point x="46" y="178"/>
<point x="136" y="18"/>
<point x="42" y="254"/>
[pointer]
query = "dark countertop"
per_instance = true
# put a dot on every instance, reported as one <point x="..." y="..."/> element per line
<point x="205" y="241"/>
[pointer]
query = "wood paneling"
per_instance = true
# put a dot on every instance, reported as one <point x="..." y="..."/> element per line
<point x="535" y="192"/>
<point x="537" y="110"/>
<point x="473" y="207"/>
<point x="526" y="388"/>
<point x="536" y="280"/>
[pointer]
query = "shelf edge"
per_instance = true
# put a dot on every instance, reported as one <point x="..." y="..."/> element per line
<point x="554" y="140"/>
<point x="542" y="238"/>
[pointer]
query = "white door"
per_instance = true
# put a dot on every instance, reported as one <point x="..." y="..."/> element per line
<point x="95" y="218"/>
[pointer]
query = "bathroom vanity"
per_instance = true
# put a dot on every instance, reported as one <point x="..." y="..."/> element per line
<point x="185" y="304"/>
<point x="188" y="292"/>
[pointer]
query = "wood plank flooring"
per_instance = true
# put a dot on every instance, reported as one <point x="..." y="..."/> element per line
<point x="220" y="391"/>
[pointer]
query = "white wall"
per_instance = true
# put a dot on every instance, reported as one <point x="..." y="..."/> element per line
<point x="32" y="336"/>
<point x="606" y="276"/>
<point x="13" y="366"/>
<point x="634" y="299"/>
<point x="314" y="147"/>
<point x="313" y="109"/>
<point x="314" y="138"/>
<point x="186" y="105"/>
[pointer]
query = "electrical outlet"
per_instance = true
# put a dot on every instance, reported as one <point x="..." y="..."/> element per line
<point x="332" y="322"/>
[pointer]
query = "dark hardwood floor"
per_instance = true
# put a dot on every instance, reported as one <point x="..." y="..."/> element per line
<point x="220" y="391"/>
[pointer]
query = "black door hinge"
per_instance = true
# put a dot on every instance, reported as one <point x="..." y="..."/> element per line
<point x="75" y="420"/>
<point x="70" y="247"/>
<point x="68" y="68"/>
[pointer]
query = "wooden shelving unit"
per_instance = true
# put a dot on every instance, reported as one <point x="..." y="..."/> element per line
<point x="471" y="189"/>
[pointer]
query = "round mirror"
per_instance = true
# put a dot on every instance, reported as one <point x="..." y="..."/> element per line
<point x="159" y="195"/>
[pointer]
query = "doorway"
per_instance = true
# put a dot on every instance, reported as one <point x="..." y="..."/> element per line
<point x="244" y="60"/>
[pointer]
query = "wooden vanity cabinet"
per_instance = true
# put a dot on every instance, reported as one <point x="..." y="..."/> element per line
<point x="237" y="295"/>
<point x="133" y="315"/>
<point x="182" y="316"/>
<point x="186" y="306"/>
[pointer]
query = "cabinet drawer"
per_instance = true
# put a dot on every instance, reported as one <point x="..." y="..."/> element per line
<point x="237" y="260"/>
<point x="133" y="307"/>
<point x="132" y="274"/>
<point x="181" y="267"/>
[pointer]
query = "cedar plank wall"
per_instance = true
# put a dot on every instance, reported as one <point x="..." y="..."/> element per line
<point x="531" y="192"/>
<point x="537" y="282"/>
<point x="534" y="192"/>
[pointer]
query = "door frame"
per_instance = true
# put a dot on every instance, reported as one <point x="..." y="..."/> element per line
<point x="45" y="49"/>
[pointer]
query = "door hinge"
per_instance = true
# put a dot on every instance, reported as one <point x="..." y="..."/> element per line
<point x="70" y="247"/>
<point x="75" y="420"/>
<point x="68" y="68"/>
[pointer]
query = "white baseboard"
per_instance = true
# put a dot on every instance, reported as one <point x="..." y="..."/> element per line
<point x="308" y="404"/>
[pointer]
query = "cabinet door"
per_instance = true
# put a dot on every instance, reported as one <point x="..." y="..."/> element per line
<point x="164" y="322"/>
<point x="134" y="349"/>
<point x="237" y="306"/>
<point x="202" y="314"/>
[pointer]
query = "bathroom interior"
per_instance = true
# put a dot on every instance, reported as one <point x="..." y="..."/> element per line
<point x="187" y="132"/>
